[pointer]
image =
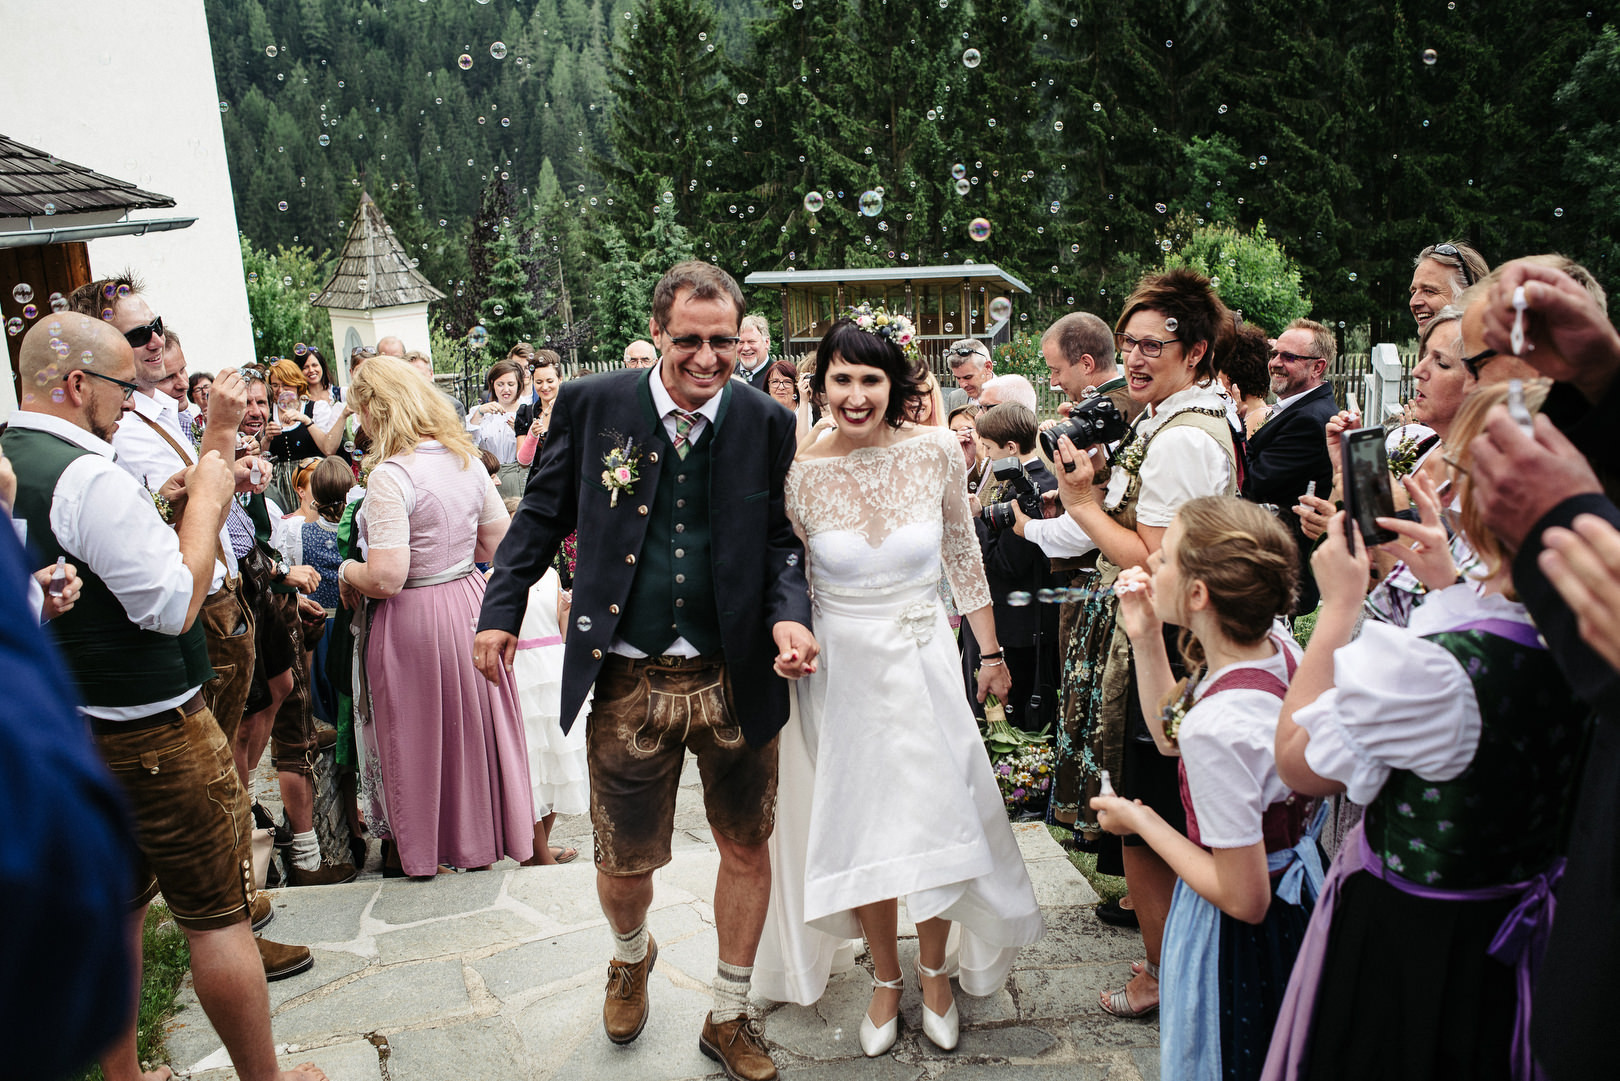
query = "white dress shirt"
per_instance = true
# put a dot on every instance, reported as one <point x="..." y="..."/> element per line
<point x="147" y="457"/>
<point x="103" y="516"/>
<point x="707" y="413"/>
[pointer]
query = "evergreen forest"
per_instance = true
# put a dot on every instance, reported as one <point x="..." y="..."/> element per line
<point x="545" y="160"/>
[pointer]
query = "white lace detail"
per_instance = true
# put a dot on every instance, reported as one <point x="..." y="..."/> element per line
<point x="872" y="495"/>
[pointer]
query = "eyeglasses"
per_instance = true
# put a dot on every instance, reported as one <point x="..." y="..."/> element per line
<point x="968" y="351"/>
<point x="1450" y="251"/>
<point x="1150" y="347"/>
<point x="691" y="343"/>
<point x="139" y="336"/>
<point x="1289" y="358"/>
<point x="128" y="388"/>
<point x="1478" y="361"/>
<point x="786" y="384"/>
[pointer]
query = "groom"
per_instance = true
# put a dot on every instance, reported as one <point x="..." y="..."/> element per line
<point x="688" y="569"/>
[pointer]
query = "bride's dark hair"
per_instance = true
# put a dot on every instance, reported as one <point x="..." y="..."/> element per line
<point x="858" y="346"/>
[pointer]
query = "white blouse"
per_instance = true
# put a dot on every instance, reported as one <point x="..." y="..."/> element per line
<point x="1184" y="463"/>
<point x="1399" y="701"/>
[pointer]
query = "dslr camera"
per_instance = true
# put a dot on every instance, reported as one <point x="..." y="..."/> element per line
<point x="1094" y="419"/>
<point x="1009" y="472"/>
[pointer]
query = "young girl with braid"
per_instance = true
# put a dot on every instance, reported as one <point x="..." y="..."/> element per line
<point x="1248" y="868"/>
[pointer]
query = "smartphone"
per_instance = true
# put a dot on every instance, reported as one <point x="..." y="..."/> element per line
<point x="1367" y="493"/>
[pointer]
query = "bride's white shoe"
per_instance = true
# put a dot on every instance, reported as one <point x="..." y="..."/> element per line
<point x="876" y="1039"/>
<point x="944" y="1029"/>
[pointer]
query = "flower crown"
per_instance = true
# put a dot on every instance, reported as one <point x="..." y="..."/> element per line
<point x="895" y="327"/>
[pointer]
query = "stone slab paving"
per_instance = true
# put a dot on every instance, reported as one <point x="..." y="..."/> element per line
<point x="499" y="975"/>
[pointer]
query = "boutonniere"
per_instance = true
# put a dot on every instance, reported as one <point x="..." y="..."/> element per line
<point x="1175" y="710"/>
<point x="1131" y="454"/>
<point x="622" y="469"/>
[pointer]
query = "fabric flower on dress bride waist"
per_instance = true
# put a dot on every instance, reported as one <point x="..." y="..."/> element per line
<point x="917" y="620"/>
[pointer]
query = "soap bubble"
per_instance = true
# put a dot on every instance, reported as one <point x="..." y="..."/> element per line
<point x="50" y="208"/>
<point x="979" y="230"/>
<point x="464" y="62"/>
<point x="1352" y="275"/>
<point x="1057" y="125"/>
<point x="300" y="349"/>
<point x="959" y="170"/>
<point x="224" y="106"/>
<point x="497" y="49"/>
<point x="22" y="293"/>
<point x="30" y="311"/>
<point x="668" y="197"/>
<point x="14" y="326"/>
<point x="282" y="205"/>
<point x="478" y="337"/>
<point x="1160" y="207"/>
<point x="871" y="204"/>
<point x="798" y="5"/>
<point x="59" y="303"/>
<point x="1046" y="596"/>
<point x="813" y="201"/>
<point x="1172" y="324"/>
<point x="325" y="140"/>
<point x="1019" y="598"/>
<point x="499" y="310"/>
<point x="1164" y="245"/>
<point x="971" y="58"/>
<point x="1222" y="109"/>
<point x="1000" y="308"/>
<point x="1558" y="211"/>
<point x="1055" y="207"/>
<point x="1096" y="106"/>
<point x="1430" y="57"/>
<point x="742" y="99"/>
<point x="963" y="187"/>
<point x="271" y="51"/>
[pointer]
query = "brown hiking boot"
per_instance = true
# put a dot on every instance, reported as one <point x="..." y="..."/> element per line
<point x="260" y="912"/>
<point x="281" y="960"/>
<point x="738" y="1045"/>
<point x="327" y="874"/>
<point x="624" y="1014"/>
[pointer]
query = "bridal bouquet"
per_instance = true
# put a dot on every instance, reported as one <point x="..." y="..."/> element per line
<point x="1025" y="780"/>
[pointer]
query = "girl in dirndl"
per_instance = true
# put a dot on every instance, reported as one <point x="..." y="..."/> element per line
<point x="1248" y="868"/>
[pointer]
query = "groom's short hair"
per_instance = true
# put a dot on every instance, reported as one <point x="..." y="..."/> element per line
<point x="707" y="282"/>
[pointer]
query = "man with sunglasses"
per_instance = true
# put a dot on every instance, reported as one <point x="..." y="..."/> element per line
<point x="971" y="367"/>
<point x="690" y="590"/>
<point x="120" y="301"/>
<point x="139" y="660"/>
<point x="1289" y="450"/>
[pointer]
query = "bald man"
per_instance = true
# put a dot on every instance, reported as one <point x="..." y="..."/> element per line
<point x="640" y="354"/>
<point x="392" y="346"/>
<point x="138" y="658"/>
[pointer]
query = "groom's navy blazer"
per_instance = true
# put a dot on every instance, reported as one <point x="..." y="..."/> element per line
<point x="758" y="562"/>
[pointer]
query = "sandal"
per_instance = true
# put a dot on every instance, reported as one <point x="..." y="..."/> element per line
<point x="1115" y="913"/>
<point x="1118" y="1002"/>
<point x="564" y="853"/>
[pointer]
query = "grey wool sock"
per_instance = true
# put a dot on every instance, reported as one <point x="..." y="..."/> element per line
<point x="731" y="985"/>
<point x="630" y="947"/>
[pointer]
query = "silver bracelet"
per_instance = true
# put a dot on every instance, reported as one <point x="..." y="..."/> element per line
<point x="992" y="664"/>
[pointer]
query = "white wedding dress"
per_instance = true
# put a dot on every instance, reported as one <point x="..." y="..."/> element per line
<point x="885" y="789"/>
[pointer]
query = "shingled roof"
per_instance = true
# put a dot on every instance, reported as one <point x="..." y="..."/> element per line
<point x="36" y="184"/>
<point x="374" y="271"/>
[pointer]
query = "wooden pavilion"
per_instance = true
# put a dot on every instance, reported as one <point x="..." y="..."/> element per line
<point x="947" y="303"/>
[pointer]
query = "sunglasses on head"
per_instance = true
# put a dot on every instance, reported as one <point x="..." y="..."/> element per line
<point x="139" y="336"/>
<point x="1450" y="251"/>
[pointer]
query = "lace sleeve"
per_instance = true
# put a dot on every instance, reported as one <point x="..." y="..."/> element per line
<point x="389" y="501"/>
<point x="964" y="563"/>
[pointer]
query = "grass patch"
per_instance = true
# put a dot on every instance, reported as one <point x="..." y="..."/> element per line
<point x="1108" y="887"/>
<point x="167" y="959"/>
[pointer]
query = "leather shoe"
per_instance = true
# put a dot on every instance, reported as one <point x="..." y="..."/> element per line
<point x="624" y="1013"/>
<point x="281" y="960"/>
<point x="325" y="739"/>
<point x="327" y="874"/>
<point x="738" y="1046"/>
<point x="260" y="912"/>
<point x="876" y="1039"/>
<point x="942" y="1028"/>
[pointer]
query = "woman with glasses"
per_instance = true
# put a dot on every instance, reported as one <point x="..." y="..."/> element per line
<point x="782" y="383"/>
<point x="494" y="423"/>
<point x="1182" y="446"/>
<point x="1442" y="271"/>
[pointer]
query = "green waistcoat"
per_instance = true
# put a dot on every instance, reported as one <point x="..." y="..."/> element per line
<point x="114" y="662"/>
<point x="1503" y="819"/>
<point x="672" y="595"/>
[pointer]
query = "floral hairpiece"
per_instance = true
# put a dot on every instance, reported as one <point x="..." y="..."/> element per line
<point x="894" y="327"/>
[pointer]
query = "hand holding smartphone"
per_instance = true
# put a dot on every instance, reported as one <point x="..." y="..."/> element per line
<point x="1367" y="492"/>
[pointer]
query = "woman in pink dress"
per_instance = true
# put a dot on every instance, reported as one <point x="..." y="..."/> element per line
<point x="444" y="768"/>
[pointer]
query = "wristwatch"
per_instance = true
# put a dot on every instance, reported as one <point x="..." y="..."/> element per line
<point x="282" y="570"/>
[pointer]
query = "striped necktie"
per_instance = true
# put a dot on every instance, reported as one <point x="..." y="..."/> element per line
<point x="683" y="431"/>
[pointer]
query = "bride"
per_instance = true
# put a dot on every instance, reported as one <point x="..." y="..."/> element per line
<point x="885" y="789"/>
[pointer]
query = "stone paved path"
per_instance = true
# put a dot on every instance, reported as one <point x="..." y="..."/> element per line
<point x="498" y="975"/>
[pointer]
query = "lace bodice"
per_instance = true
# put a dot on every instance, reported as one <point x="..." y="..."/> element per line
<point x="882" y="518"/>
